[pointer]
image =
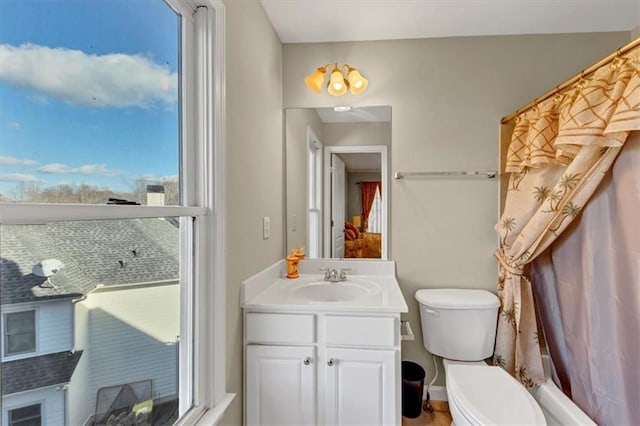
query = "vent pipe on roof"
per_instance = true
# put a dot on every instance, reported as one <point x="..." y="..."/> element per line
<point x="155" y="195"/>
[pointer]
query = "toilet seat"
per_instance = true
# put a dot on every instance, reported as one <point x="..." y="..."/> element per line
<point x="487" y="395"/>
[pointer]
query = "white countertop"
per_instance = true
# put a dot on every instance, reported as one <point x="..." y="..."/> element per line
<point x="271" y="290"/>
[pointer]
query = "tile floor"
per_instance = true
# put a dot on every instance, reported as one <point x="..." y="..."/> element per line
<point x="439" y="417"/>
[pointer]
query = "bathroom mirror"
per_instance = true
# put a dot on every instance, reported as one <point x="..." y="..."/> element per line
<point x="335" y="159"/>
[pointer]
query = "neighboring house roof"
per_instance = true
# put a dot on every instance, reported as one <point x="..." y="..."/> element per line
<point x="37" y="372"/>
<point x="91" y="251"/>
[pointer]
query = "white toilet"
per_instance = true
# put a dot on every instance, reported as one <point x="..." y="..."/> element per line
<point x="460" y="326"/>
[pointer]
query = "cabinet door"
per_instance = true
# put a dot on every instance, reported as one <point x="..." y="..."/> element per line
<point x="361" y="387"/>
<point x="280" y="385"/>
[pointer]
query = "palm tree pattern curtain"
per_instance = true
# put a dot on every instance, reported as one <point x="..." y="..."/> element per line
<point x="367" y="195"/>
<point x="559" y="153"/>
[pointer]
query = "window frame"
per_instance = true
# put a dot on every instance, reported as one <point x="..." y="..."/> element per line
<point x="314" y="195"/>
<point x="7" y="356"/>
<point x="39" y="404"/>
<point x="203" y="166"/>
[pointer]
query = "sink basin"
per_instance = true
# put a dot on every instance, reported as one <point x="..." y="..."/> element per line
<point x="345" y="291"/>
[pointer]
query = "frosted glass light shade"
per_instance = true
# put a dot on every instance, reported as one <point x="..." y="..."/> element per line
<point x="356" y="81"/>
<point x="315" y="79"/>
<point x="339" y="81"/>
<point x="337" y="84"/>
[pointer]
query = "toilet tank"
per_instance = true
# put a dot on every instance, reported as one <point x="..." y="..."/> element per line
<point x="458" y="324"/>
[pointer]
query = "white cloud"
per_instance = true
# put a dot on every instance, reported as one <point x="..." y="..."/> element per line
<point x="14" y="125"/>
<point x="113" y="80"/>
<point x="12" y="161"/>
<point x="87" y="169"/>
<point x="19" y="177"/>
<point x="55" y="168"/>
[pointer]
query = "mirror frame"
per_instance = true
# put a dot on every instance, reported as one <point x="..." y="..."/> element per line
<point x="382" y="149"/>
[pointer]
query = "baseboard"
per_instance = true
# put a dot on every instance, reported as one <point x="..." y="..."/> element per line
<point x="436" y="393"/>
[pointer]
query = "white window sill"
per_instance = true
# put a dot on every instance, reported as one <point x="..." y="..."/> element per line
<point x="214" y="415"/>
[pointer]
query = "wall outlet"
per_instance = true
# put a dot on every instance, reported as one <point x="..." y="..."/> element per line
<point x="266" y="227"/>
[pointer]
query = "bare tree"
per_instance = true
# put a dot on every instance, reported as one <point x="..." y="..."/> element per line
<point x="171" y="190"/>
<point x="89" y="194"/>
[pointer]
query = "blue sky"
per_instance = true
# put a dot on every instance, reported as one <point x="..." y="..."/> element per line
<point x="88" y="92"/>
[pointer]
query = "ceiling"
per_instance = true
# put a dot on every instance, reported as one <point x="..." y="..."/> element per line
<point x="362" y="162"/>
<point x="310" y="21"/>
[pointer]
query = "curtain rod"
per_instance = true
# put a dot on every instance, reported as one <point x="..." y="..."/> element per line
<point x="621" y="51"/>
<point x="489" y="174"/>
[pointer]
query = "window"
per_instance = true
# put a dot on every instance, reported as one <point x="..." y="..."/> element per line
<point x="98" y="117"/>
<point x="19" y="333"/>
<point x="26" y="416"/>
<point x="375" y="215"/>
<point x="137" y="117"/>
<point x="314" y="191"/>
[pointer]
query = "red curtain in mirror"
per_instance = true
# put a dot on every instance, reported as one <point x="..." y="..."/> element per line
<point x="367" y="195"/>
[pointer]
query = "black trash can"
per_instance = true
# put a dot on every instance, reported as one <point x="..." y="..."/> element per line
<point x="412" y="389"/>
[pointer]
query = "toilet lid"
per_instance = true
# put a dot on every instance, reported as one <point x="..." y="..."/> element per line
<point x="489" y="395"/>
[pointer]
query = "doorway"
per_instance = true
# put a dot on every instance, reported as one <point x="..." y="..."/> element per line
<point x="335" y="196"/>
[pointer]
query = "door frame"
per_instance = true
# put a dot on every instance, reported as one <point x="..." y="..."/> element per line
<point x="337" y="236"/>
<point x="382" y="150"/>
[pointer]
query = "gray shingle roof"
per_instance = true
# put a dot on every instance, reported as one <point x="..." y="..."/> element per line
<point x="91" y="251"/>
<point x="36" y="372"/>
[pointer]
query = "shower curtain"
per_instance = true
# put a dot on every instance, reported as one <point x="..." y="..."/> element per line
<point x="587" y="289"/>
<point x="560" y="151"/>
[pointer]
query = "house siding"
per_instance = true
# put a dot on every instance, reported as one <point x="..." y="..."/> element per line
<point x="52" y="401"/>
<point x="54" y="327"/>
<point x="128" y="335"/>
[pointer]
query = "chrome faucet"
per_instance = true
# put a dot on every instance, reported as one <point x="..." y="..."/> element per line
<point x="332" y="276"/>
<point x="343" y="273"/>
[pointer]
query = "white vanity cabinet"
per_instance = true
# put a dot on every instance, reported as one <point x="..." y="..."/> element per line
<point x="360" y="387"/>
<point x="281" y="385"/>
<point x="322" y="368"/>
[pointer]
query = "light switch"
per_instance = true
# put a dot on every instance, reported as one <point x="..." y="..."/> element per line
<point x="266" y="227"/>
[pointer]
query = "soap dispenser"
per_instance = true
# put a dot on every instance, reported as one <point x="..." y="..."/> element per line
<point x="292" y="265"/>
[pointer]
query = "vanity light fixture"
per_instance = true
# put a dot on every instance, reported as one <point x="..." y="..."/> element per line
<point x="342" y="108"/>
<point x="338" y="84"/>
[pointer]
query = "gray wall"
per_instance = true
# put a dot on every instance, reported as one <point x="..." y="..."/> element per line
<point x="447" y="96"/>
<point x="297" y="120"/>
<point x="255" y="166"/>
<point x="635" y="33"/>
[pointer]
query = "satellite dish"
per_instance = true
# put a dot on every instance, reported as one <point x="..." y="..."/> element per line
<point x="47" y="268"/>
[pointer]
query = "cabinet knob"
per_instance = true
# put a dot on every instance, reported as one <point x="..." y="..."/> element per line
<point x="330" y="362"/>
<point x="307" y="361"/>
